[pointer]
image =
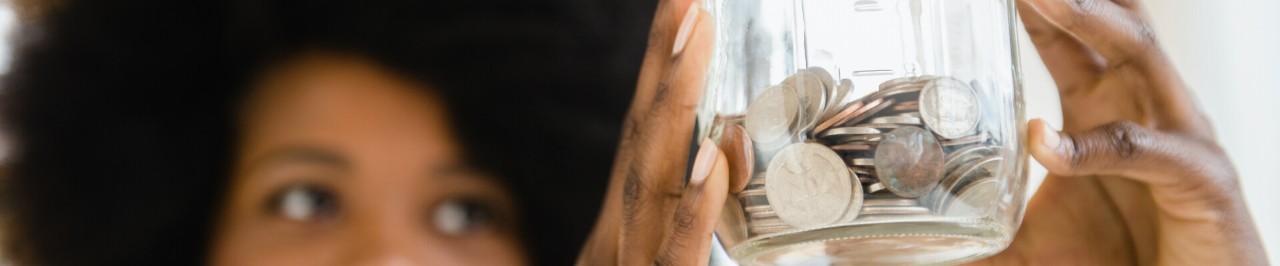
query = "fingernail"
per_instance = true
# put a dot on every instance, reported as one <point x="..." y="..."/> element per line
<point x="1051" y="137"/>
<point x="703" y="163"/>
<point x="686" y="29"/>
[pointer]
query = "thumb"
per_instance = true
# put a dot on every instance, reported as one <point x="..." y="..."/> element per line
<point x="1122" y="149"/>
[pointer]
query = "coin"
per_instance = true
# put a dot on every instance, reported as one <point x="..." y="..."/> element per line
<point x="738" y="149"/>
<point x="893" y="210"/>
<point x="842" y="116"/>
<point x="881" y="127"/>
<point x="949" y="108"/>
<point x="977" y="198"/>
<point x="768" y="221"/>
<point x="862" y="162"/>
<point x="967" y="140"/>
<point x="851" y="147"/>
<point x="813" y="97"/>
<point x="909" y="161"/>
<point x="752" y="192"/>
<point x="849" y="131"/>
<point x="907" y="106"/>
<point x="871" y="111"/>
<point x="808" y="185"/>
<point x="763" y="214"/>
<point x="883" y="202"/>
<point x="855" y="202"/>
<point x="875" y="187"/>
<point x="954" y="181"/>
<point x="901" y="120"/>
<point x="770" y="116"/>
<point x="828" y="82"/>
<point x="965" y="155"/>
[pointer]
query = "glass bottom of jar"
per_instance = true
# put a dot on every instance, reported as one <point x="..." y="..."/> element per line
<point x="923" y="241"/>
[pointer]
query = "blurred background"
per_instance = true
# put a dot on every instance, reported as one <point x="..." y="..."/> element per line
<point x="1226" y="50"/>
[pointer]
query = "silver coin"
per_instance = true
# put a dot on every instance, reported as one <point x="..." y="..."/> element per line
<point x="975" y="199"/>
<point x="890" y="202"/>
<point x="763" y="214"/>
<point x="910" y="114"/>
<point x="862" y="162"/>
<point x="875" y="187"/>
<point x="905" y="82"/>
<point x="828" y="82"/>
<point x="848" y="131"/>
<point x="949" y="108"/>
<point x="768" y="221"/>
<point x="955" y="180"/>
<point x="965" y="155"/>
<point x="757" y="208"/>
<point x="863" y="172"/>
<point x="894" y="210"/>
<point x="900" y="120"/>
<point x="764" y="230"/>
<point x="808" y="185"/>
<point x="770" y="116"/>
<point x="909" y="162"/>
<point x="855" y="202"/>
<point x="967" y="140"/>
<point x="851" y="147"/>
<point x="813" y="97"/>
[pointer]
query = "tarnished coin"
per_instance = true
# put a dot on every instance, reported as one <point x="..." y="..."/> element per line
<point x="808" y="185"/>
<point x="863" y="172"/>
<point x="770" y="116"/>
<point x="752" y="192"/>
<point x="738" y="149"/>
<point x="909" y="161"/>
<point x="976" y="198"/>
<point x="949" y="108"/>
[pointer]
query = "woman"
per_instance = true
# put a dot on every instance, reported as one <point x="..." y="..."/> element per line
<point x="342" y="150"/>
<point x="143" y="133"/>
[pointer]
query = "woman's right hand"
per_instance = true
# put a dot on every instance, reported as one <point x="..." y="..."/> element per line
<point x="1136" y="176"/>
<point x="650" y="215"/>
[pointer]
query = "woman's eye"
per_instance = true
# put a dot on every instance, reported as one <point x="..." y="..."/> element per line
<point x="304" y="203"/>
<point x="461" y="217"/>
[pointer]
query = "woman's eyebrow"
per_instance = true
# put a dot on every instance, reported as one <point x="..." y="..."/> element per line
<point x="306" y="155"/>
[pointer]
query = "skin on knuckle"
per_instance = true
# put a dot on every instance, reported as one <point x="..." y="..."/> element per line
<point x="1079" y="16"/>
<point x="1128" y="140"/>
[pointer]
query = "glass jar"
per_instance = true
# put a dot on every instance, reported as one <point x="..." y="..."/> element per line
<point x="867" y="131"/>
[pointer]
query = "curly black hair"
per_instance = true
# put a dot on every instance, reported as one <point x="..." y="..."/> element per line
<point x="120" y="113"/>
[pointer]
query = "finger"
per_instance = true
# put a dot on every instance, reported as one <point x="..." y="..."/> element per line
<point x="663" y="33"/>
<point x="1072" y="65"/>
<point x="1161" y="160"/>
<point x="688" y="241"/>
<point x="653" y="174"/>
<point x="1119" y="34"/>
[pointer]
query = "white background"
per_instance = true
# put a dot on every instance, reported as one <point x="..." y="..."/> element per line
<point x="1228" y="51"/>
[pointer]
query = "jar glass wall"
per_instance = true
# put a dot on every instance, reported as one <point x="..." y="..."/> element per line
<point x="867" y="131"/>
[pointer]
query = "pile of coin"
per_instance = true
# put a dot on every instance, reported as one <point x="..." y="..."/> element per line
<point x="822" y="157"/>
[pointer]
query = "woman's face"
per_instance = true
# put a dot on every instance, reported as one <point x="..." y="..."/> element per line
<point x="342" y="163"/>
